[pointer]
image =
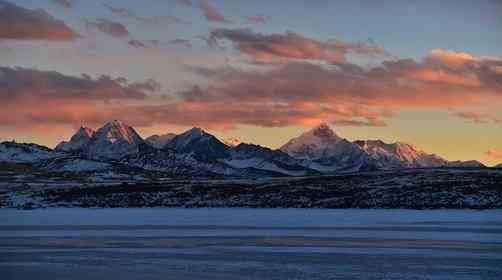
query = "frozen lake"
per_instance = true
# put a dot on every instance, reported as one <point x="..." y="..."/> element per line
<point x="250" y="244"/>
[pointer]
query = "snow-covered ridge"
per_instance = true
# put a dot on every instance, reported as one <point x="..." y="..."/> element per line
<point x="399" y="154"/>
<point x="24" y="153"/>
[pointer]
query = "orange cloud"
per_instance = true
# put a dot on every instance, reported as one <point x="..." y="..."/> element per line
<point x="294" y="93"/>
<point x="478" y="117"/>
<point x="494" y="153"/>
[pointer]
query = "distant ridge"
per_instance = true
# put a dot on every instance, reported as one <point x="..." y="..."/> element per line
<point x="196" y="152"/>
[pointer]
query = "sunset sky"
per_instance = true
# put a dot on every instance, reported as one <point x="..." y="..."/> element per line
<point x="428" y="72"/>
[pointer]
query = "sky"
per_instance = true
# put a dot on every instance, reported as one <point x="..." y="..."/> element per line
<point x="427" y="73"/>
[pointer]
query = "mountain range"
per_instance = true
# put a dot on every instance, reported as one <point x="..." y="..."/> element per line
<point x="199" y="153"/>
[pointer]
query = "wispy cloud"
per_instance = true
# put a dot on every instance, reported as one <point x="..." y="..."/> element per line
<point x="64" y="3"/>
<point x="137" y="44"/>
<point x="187" y="3"/>
<point x="182" y="42"/>
<point x="112" y="28"/>
<point x="256" y="19"/>
<point x="270" y="47"/>
<point x="19" y="23"/>
<point x="478" y="118"/>
<point x="211" y="13"/>
<point x="154" y="20"/>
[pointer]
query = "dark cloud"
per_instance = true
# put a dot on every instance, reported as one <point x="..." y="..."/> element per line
<point x="255" y="19"/>
<point x="154" y="20"/>
<point x="64" y="3"/>
<point x="291" y="46"/>
<point x="149" y="85"/>
<point x="187" y="3"/>
<point x="211" y="12"/>
<point x="16" y="82"/>
<point x="109" y="27"/>
<point x="136" y="44"/>
<point x="182" y="42"/>
<point x="19" y="23"/>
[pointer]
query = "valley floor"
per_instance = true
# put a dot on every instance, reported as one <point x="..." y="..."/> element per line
<point x="415" y="189"/>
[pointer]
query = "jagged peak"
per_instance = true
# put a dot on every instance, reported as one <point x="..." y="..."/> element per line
<point x="85" y="131"/>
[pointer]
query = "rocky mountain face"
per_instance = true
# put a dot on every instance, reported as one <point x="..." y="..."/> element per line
<point x="202" y="145"/>
<point x="112" y="141"/>
<point x="399" y="155"/>
<point x="117" y="146"/>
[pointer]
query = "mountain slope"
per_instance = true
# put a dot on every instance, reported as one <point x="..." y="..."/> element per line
<point x="255" y="156"/>
<point x="159" y="141"/>
<point x="77" y="141"/>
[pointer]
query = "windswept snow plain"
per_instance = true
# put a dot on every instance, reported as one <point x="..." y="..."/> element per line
<point x="237" y="243"/>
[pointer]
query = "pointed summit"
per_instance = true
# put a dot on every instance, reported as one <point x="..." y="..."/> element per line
<point x="318" y="141"/>
<point x="203" y="145"/>
<point x="118" y="131"/>
<point x="323" y="130"/>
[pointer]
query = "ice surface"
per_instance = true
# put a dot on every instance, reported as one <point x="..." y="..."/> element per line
<point x="159" y="243"/>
